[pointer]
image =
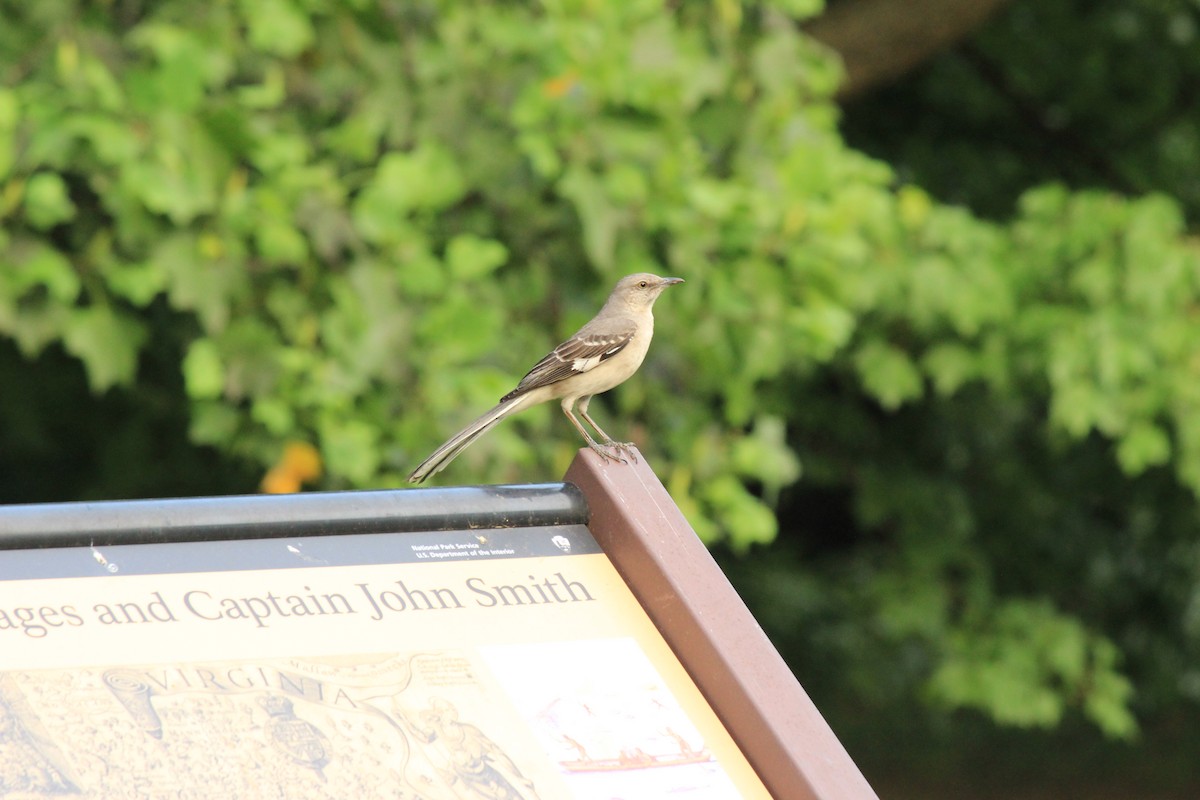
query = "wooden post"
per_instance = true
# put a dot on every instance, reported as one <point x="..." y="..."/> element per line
<point x="713" y="634"/>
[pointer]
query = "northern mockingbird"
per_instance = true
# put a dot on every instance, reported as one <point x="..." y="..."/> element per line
<point x="600" y="356"/>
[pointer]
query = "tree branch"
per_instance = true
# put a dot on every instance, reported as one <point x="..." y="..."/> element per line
<point x="881" y="40"/>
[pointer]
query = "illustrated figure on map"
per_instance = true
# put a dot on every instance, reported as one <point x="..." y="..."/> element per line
<point x="24" y="768"/>
<point x="476" y="763"/>
<point x="299" y="740"/>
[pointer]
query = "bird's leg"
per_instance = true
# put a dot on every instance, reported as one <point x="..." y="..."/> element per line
<point x="602" y="449"/>
<point x="624" y="447"/>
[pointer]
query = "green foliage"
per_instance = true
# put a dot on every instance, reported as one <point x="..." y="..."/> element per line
<point x="362" y="224"/>
<point x="317" y="195"/>
<point x="1024" y="665"/>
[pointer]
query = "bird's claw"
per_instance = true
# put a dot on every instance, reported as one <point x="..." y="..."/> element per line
<point x="628" y="448"/>
<point x="609" y="452"/>
<point x="612" y="451"/>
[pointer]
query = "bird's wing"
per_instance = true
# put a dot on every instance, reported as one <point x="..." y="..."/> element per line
<point x="575" y="356"/>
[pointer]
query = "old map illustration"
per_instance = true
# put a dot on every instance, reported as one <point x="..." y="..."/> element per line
<point x="419" y="726"/>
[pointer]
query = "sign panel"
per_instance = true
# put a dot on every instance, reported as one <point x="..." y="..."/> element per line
<point x="497" y="664"/>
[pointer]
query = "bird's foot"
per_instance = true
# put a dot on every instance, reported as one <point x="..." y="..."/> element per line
<point x="609" y="451"/>
<point x="628" y="448"/>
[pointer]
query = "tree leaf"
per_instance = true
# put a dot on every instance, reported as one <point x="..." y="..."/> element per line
<point x="107" y="343"/>
<point x="888" y="374"/>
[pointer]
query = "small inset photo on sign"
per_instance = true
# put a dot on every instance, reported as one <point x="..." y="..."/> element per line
<point x="605" y="717"/>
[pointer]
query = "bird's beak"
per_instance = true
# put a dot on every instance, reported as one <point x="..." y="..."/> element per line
<point x="671" y="281"/>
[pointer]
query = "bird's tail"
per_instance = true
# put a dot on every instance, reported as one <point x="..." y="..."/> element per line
<point x="459" y="441"/>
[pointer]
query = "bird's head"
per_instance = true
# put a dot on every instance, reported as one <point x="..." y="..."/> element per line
<point x="641" y="289"/>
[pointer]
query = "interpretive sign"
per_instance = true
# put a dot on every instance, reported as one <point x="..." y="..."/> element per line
<point x="498" y="663"/>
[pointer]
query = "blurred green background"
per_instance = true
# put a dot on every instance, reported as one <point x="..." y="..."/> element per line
<point x="931" y="391"/>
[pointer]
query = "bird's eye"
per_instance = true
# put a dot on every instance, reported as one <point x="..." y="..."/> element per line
<point x="643" y="284"/>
